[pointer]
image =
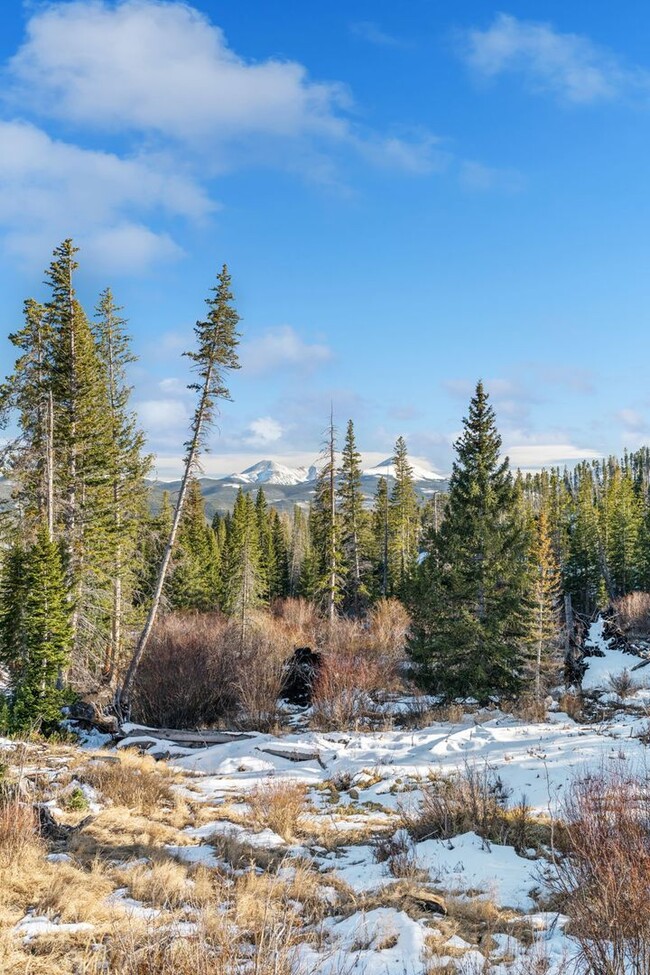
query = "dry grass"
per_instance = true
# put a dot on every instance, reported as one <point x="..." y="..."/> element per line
<point x="278" y="805"/>
<point x="475" y="800"/>
<point x="135" y="781"/>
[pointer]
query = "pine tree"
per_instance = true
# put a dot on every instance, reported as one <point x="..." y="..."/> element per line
<point x="472" y="611"/>
<point x="35" y="632"/>
<point x="583" y="568"/>
<point x="403" y="521"/>
<point x="265" y="536"/>
<point x="621" y="526"/>
<point x="243" y="583"/>
<point x="325" y="530"/>
<point x="353" y="525"/>
<point x="381" y="538"/>
<point x="81" y="442"/>
<point x="299" y="550"/>
<point x="27" y="461"/>
<point x="195" y="581"/>
<point x="279" y="574"/>
<point x="126" y="467"/>
<point x="216" y="353"/>
<point x="546" y="600"/>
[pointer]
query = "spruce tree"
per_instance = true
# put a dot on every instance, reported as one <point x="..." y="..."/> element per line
<point x="546" y="601"/>
<point x="195" y="581"/>
<point x="126" y="466"/>
<point x="472" y="614"/>
<point x="35" y="632"/>
<point x="325" y="530"/>
<point x="403" y="520"/>
<point x="353" y="525"/>
<point x="243" y="583"/>
<point x="381" y="538"/>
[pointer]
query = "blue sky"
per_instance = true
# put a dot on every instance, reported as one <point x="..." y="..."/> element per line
<point x="409" y="196"/>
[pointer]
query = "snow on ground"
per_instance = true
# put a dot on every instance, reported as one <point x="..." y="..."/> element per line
<point x="379" y="775"/>
<point x="533" y="760"/>
<point x="610" y="662"/>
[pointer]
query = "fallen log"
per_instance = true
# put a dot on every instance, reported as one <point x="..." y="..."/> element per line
<point x="292" y="754"/>
<point x="179" y="737"/>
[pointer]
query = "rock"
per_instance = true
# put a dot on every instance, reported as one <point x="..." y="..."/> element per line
<point x="88" y="715"/>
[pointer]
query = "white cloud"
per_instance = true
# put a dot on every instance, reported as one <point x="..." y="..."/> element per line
<point x="633" y="420"/>
<point x="567" y="65"/>
<point x="162" y="415"/>
<point x="264" y="431"/>
<point x="282" y="348"/>
<point x="536" y="455"/>
<point x="51" y="189"/>
<point x="164" y="67"/>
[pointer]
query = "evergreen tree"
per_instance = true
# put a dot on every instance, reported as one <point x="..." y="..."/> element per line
<point x="622" y="525"/>
<point x="279" y="575"/>
<point x="195" y="580"/>
<point x="404" y="521"/>
<point x="325" y="530"/>
<point x="381" y="538"/>
<point x="27" y="460"/>
<point x="583" y="568"/>
<point x="299" y="551"/>
<point x="35" y="631"/>
<point x="353" y="523"/>
<point x="126" y="467"/>
<point x="243" y="583"/>
<point x="546" y="597"/>
<point x="472" y="613"/>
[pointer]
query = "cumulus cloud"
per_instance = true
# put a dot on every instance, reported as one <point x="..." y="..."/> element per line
<point x="263" y="431"/>
<point x="162" y="68"/>
<point x="282" y="348"/>
<point x="51" y="189"/>
<point x="569" y="66"/>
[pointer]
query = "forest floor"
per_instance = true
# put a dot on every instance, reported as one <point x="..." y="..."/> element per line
<point x="312" y="852"/>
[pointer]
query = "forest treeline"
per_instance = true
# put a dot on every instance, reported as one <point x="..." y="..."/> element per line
<point x="87" y="565"/>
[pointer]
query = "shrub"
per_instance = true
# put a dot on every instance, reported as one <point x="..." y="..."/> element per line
<point x="389" y="624"/>
<point x="632" y="613"/>
<point x="472" y="800"/>
<point x="344" y="689"/>
<point x="192" y="648"/>
<point x="604" y="878"/>
<point x="623" y="684"/>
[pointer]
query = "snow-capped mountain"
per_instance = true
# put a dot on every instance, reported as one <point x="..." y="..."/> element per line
<point x="286" y="486"/>
<point x="387" y="469"/>
<point x="270" y="472"/>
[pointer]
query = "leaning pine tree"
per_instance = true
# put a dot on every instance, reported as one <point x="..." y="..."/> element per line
<point x="473" y="611"/>
<point x="215" y="354"/>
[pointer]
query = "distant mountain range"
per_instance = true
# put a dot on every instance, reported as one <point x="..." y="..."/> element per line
<point x="285" y="487"/>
